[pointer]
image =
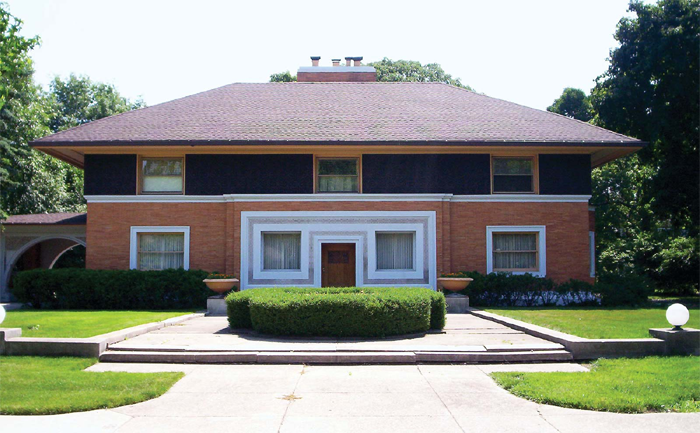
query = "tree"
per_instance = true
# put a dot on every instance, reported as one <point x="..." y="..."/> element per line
<point x="411" y="70"/>
<point x="23" y="111"/>
<point x="648" y="203"/>
<point x="573" y="103"/>
<point x="283" y="77"/>
<point x="651" y="90"/>
<point x="79" y="100"/>
<point x="31" y="181"/>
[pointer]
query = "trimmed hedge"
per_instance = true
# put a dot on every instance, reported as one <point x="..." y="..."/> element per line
<point x="501" y="289"/>
<point x="337" y="312"/>
<point x="91" y="289"/>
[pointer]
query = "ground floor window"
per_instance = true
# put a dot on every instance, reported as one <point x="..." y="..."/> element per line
<point x="516" y="249"/>
<point x="281" y="251"/>
<point x="158" y="248"/>
<point x="395" y="251"/>
<point x="591" y="244"/>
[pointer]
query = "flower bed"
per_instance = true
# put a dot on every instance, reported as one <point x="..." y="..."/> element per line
<point x="337" y="312"/>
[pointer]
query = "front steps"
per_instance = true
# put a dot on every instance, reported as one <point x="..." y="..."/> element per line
<point x="471" y="355"/>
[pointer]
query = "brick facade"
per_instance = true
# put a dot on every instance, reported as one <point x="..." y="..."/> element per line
<point x="331" y="77"/>
<point x="215" y="238"/>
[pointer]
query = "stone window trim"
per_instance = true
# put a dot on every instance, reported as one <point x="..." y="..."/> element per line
<point x="541" y="247"/>
<point x="134" y="242"/>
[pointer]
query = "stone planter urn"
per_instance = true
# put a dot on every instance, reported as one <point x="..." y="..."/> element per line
<point x="221" y="285"/>
<point x="454" y="284"/>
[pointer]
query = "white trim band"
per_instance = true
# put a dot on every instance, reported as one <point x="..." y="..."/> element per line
<point x="494" y="198"/>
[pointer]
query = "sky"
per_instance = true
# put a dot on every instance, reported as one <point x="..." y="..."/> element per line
<point x="521" y="51"/>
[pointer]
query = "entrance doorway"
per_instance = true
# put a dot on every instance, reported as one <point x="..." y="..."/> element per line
<point x="338" y="265"/>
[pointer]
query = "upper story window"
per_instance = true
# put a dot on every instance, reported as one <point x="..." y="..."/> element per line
<point x="513" y="175"/>
<point x="338" y="175"/>
<point x="161" y="176"/>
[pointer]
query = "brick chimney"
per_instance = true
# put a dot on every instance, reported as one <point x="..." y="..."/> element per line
<point x="337" y="73"/>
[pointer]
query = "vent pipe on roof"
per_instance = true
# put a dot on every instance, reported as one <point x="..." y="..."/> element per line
<point x="314" y="60"/>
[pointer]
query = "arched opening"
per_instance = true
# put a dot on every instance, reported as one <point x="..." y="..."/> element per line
<point x="48" y="253"/>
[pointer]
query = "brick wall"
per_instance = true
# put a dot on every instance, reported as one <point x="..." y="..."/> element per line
<point x="215" y="236"/>
<point x="329" y="77"/>
<point x="109" y="228"/>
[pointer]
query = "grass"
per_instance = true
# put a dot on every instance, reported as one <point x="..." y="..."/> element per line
<point x="653" y="384"/>
<point x="42" y="386"/>
<point x="80" y="324"/>
<point x="597" y="322"/>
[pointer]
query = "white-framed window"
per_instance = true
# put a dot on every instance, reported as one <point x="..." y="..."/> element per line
<point x="154" y="248"/>
<point x="591" y="243"/>
<point x="161" y="176"/>
<point x="340" y="175"/>
<point x="516" y="249"/>
<point x="396" y="251"/>
<point x="281" y="251"/>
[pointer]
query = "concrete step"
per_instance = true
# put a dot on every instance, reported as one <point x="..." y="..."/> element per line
<point x="406" y="357"/>
<point x="330" y="347"/>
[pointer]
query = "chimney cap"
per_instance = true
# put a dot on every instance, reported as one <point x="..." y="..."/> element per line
<point x="354" y="58"/>
<point x="315" y="57"/>
<point x="335" y="60"/>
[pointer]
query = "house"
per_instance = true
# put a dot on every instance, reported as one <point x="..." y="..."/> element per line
<point x="339" y="180"/>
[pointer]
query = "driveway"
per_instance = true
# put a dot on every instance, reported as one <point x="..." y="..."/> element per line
<point x="296" y="398"/>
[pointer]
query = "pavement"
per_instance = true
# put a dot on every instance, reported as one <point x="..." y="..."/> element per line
<point x="359" y="398"/>
<point x="462" y="332"/>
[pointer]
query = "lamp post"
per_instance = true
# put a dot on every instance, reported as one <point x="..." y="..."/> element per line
<point x="677" y="315"/>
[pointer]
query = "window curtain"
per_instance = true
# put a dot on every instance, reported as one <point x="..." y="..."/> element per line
<point x="337" y="184"/>
<point x="395" y="251"/>
<point x="162" y="175"/>
<point x="282" y="251"/>
<point x="161" y="251"/>
<point x="514" y="251"/>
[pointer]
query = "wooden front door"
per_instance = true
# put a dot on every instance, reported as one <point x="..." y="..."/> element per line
<point x="338" y="267"/>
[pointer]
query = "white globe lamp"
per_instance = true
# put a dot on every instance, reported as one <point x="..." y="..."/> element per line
<point x="2" y="313"/>
<point x="677" y="315"/>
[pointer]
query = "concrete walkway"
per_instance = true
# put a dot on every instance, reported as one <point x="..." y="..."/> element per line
<point x="466" y="338"/>
<point x="296" y="398"/>
<point x="213" y="333"/>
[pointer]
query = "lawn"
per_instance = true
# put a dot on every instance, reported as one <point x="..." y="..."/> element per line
<point x="80" y="324"/>
<point x="597" y="322"/>
<point x="39" y="386"/>
<point x="653" y="384"/>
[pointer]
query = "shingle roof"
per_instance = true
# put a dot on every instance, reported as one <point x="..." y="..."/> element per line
<point x="344" y="112"/>
<point x="61" y="218"/>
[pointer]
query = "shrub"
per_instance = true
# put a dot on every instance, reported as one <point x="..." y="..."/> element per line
<point x="438" y="310"/>
<point x="626" y="289"/>
<point x="337" y="312"/>
<point x="501" y="289"/>
<point x="91" y="289"/>
<point x="238" y="309"/>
